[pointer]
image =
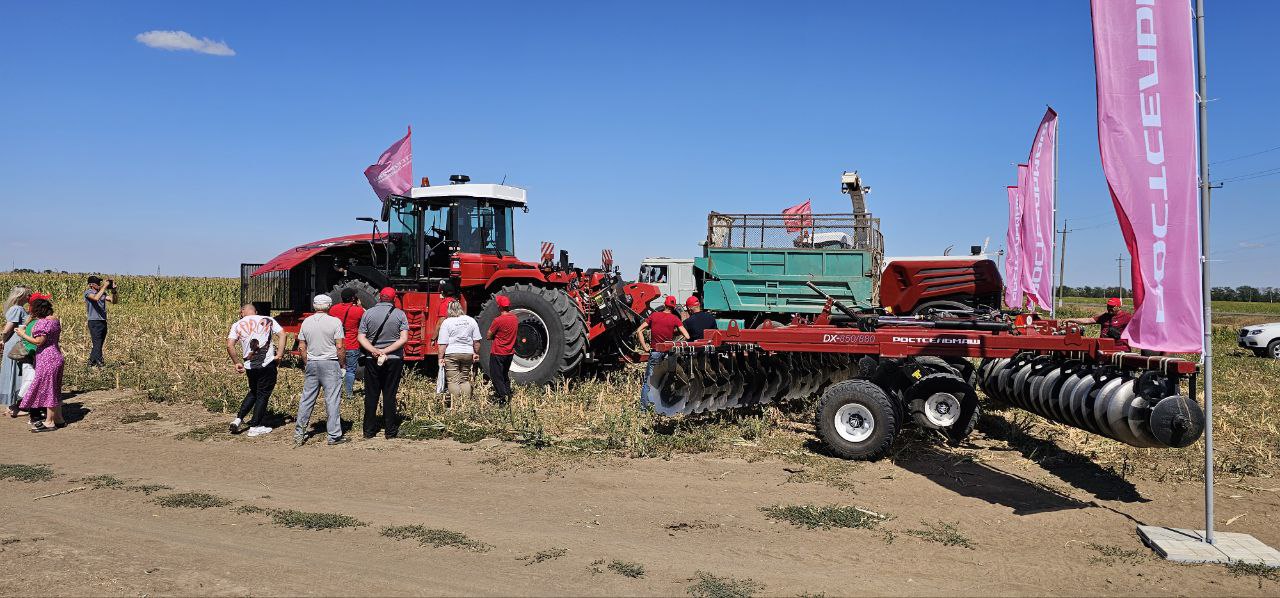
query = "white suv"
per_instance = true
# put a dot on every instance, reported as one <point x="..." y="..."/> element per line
<point x="1262" y="339"/>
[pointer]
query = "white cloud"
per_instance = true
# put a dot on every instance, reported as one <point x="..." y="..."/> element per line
<point x="181" y="40"/>
<point x="1249" y="245"/>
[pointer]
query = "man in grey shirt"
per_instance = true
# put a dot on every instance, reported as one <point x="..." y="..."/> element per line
<point x="96" y="299"/>
<point x="384" y="330"/>
<point x="319" y="339"/>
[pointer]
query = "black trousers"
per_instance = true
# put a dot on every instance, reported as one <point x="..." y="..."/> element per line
<point x="262" y="381"/>
<point x="381" y="383"/>
<point x="98" y="334"/>
<point x="500" y="374"/>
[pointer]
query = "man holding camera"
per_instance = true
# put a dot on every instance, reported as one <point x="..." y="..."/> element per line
<point x="96" y="298"/>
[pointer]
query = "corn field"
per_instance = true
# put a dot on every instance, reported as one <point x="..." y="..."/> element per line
<point x="168" y="336"/>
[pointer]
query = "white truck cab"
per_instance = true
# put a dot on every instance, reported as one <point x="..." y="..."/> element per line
<point x="672" y="276"/>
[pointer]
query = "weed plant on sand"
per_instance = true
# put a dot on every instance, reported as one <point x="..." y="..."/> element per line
<point x="541" y="556"/>
<point x="826" y="517"/>
<point x="437" y="538"/>
<point x="627" y="569"/>
<point x="941" y="532"/>
<point x="25" y="473"/>
<point x="706" y="585"/>
<point x="101" y="481"/>
<point x="191" y="500"/>
<point x="313" y="521"/>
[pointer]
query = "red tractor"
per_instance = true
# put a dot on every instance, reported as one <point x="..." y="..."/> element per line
<point x="458" y="240"/>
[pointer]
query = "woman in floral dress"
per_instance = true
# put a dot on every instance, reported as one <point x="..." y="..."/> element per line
<point x="46" y="387"/>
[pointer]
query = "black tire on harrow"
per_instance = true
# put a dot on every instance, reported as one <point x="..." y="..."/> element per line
<point x="565" y="332"/>
<point x="857" y="398"/>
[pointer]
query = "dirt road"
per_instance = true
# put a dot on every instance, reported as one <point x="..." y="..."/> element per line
<point x="1032" y="530"/>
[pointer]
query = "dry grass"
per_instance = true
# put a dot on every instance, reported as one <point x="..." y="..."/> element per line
<point x="176" y="329"/>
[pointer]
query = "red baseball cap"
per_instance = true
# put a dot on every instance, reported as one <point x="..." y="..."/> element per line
<point x="692" y="302"/>
<point x="503" y="301"/>
<point x="1113" y="302"/>
<point x="671" y="301"/>
<point x="38" y="295"/>
<point x="387" y="293"/>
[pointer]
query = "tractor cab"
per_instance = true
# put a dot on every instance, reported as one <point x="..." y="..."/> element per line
<point x="461" y="230"/>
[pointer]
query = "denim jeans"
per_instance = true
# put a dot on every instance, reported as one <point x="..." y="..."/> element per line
<point x="655" y="357"/>
<point x="349" y="379"/>
<point x="320" y="373"/>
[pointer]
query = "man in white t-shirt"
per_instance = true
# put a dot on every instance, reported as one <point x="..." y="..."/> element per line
<point x="324" y="360"/>
<point x="257" y="360"/>
<point x="459" y="346"/>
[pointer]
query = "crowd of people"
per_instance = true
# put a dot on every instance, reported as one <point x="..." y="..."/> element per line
<point x="32" y="365"/>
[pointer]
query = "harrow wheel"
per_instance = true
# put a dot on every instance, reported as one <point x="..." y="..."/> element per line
<point x="551" y="340"/>
<point x="857" y="420"/>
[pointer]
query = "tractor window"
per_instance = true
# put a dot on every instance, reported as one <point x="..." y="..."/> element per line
<point x="484" y="228"/>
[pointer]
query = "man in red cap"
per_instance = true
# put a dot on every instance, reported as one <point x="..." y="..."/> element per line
<point x="698" y="321"/>
<point x="502" y="349"/>
<point x="1113" y="321"/>
<point x="662" y="324"/>
<point x="384" y="329"/>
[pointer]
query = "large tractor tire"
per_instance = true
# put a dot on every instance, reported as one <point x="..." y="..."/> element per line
<point x="552" y="339"/>
<point x="857" y="420"/>
<point x="364" y="291"/>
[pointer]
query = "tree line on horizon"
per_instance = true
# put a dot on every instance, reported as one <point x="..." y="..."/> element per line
<point x="1241" y="293"/>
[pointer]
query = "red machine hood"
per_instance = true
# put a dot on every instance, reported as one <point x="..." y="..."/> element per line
<point x="301" y="253"/>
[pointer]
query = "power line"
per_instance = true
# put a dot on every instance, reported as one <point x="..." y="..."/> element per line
<point x="1245" y="156"/>
<point x="1250" y="175"/>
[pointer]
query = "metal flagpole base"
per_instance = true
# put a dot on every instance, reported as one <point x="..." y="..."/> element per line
<point x="1188" y="546"/>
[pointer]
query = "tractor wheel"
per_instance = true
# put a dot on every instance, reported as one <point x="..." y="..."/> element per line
<point x="367" y="295"/>
<point x="552" y="339"/>
<point x="857" y="420"/>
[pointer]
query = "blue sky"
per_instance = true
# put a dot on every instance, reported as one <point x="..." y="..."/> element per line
<point x="626" y="122"/>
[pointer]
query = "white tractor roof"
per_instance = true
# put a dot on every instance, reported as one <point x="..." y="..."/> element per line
<point x="478" y="190"/>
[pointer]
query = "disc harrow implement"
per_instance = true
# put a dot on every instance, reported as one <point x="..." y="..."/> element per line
<point x="872" y="376"/>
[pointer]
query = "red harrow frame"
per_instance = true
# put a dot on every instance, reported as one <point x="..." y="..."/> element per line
<point x="874" y="374"/>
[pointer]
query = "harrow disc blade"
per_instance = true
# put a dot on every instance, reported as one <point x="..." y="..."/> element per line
<point x="1177" y="421"/>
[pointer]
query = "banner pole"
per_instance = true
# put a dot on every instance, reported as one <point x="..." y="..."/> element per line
<point x="1206" y="356"/>
<point x="1053" y="305"/>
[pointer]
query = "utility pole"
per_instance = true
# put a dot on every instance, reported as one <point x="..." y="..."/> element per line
<point x="1062" y="262"/>
<point x="1120" y="274"/>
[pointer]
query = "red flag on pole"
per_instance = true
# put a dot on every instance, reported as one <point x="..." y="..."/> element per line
<point x="798" y="217"/>
<point x="1143" y="58"/>
<point x="393" y="172"/>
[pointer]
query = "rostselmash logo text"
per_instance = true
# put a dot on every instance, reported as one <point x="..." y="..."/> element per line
<point x="1153" y="140"/>
<point x="929" y="340"/>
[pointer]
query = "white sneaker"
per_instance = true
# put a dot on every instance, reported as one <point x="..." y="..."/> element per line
<point x="259" y="431"/>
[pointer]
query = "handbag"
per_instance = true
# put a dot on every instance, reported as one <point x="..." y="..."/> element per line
<point x="23" y="350"/>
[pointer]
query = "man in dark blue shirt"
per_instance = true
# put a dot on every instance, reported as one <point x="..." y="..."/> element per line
<point x="698" y="321"/>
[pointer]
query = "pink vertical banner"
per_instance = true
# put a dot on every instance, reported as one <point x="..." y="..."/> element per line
<point x="1143" y="57"/>
<point x="393" y="172"/>
<point x="1037" y="222"/>
<point x="1013" y="250"/>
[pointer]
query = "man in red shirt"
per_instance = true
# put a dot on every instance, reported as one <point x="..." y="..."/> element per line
<point x="349" y="312"/>
<point x="662" y="325"/>
<point x="502" y="348"/>
<point x="1113" y="321"/>
<point x="447" y="296"/>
